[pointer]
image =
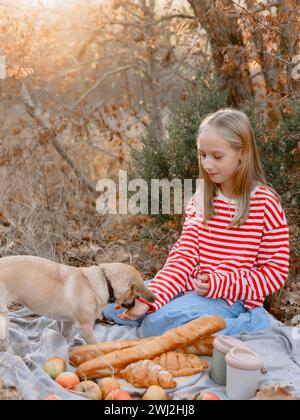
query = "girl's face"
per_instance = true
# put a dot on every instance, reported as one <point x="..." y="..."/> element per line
<point x="218" y="158"/>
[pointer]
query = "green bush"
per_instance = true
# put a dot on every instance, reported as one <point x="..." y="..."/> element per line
<point x="175" y="155"/>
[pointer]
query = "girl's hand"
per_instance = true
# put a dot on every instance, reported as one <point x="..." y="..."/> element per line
<point x="202" y="284"/>
<point x="132" y="314"/>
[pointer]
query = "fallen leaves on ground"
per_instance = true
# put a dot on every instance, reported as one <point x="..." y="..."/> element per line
<point x="275" y="392"/>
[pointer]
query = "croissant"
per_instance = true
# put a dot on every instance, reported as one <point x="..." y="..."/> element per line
<point x="179" y="364"/>
<point x="170" y="340"/>
<point x="145" y="373"/>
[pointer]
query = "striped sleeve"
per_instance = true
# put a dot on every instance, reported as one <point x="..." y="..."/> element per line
<point x="271" y="267"/>
<point x="182" y="259"/>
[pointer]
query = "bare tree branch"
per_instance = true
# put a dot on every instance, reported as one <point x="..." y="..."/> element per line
<point x="163" y="19"/>
<point x="77" y="67"/>
<point x="170" y="17"/>
<point x="40" y="119"/>
<point x="123" y="23"/>
<point x="132" y="12"/>
<point x="106" y="152"/>
<point x="276" y="57"/>
<point x="97" y="84"/>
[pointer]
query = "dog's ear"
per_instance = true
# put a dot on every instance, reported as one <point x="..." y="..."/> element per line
<point x="142" y="291"/>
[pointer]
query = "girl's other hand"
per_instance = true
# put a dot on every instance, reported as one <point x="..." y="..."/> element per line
<point x="202" y="284"/>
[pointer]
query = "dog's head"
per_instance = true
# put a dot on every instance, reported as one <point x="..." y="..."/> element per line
<point x="127" y="284"/>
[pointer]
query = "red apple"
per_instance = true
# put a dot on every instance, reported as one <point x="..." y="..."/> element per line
<point x="119" y="395"/>
<point x="208" y="396"/>
<point x="67" y="380"/>
<point x="52" y="398"/>
<point x="55" y="366"/>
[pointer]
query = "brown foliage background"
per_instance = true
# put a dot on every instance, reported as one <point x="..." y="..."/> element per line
<point x="83" y="82"/>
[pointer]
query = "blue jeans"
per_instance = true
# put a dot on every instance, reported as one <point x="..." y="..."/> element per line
<point x="185" y="308"/>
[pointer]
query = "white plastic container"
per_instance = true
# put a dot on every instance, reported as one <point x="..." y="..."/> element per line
<point x="243" y="372"/>
<point x="222" y="345"/>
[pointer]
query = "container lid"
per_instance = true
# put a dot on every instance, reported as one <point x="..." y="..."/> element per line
<point x="242" y="358"/>
<point x="224" y="343"/>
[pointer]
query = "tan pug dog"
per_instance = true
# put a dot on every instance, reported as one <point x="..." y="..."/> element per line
<point x="67" y="293"/>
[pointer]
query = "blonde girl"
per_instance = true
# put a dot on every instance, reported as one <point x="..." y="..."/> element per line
<point x="231" y="256"/>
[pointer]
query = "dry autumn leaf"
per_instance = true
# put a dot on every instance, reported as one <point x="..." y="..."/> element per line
<point x="294" y="299"/>
<point x="275" y="392"/>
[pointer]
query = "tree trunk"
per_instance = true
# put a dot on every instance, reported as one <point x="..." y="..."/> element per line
<point x="227" y="44"/>
<point x="277" y="69"/>
<point x="288" y="43"/>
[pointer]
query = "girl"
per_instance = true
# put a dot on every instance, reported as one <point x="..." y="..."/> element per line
<point x="228" y="259"/>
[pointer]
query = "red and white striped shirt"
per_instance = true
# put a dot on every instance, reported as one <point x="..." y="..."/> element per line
<point x="245" y="263"/>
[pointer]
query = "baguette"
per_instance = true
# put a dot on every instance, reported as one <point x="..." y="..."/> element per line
<point x="81" y="354"/>
<point x="170" y="340"/>
<point x="201" y="347"/>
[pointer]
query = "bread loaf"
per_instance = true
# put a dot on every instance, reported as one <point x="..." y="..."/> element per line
<point x="177" y="337"/>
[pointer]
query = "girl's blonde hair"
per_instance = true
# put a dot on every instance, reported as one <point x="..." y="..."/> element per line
<point x="234" y="126"/>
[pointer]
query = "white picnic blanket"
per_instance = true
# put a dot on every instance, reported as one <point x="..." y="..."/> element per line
<point x="35" y="339"/>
